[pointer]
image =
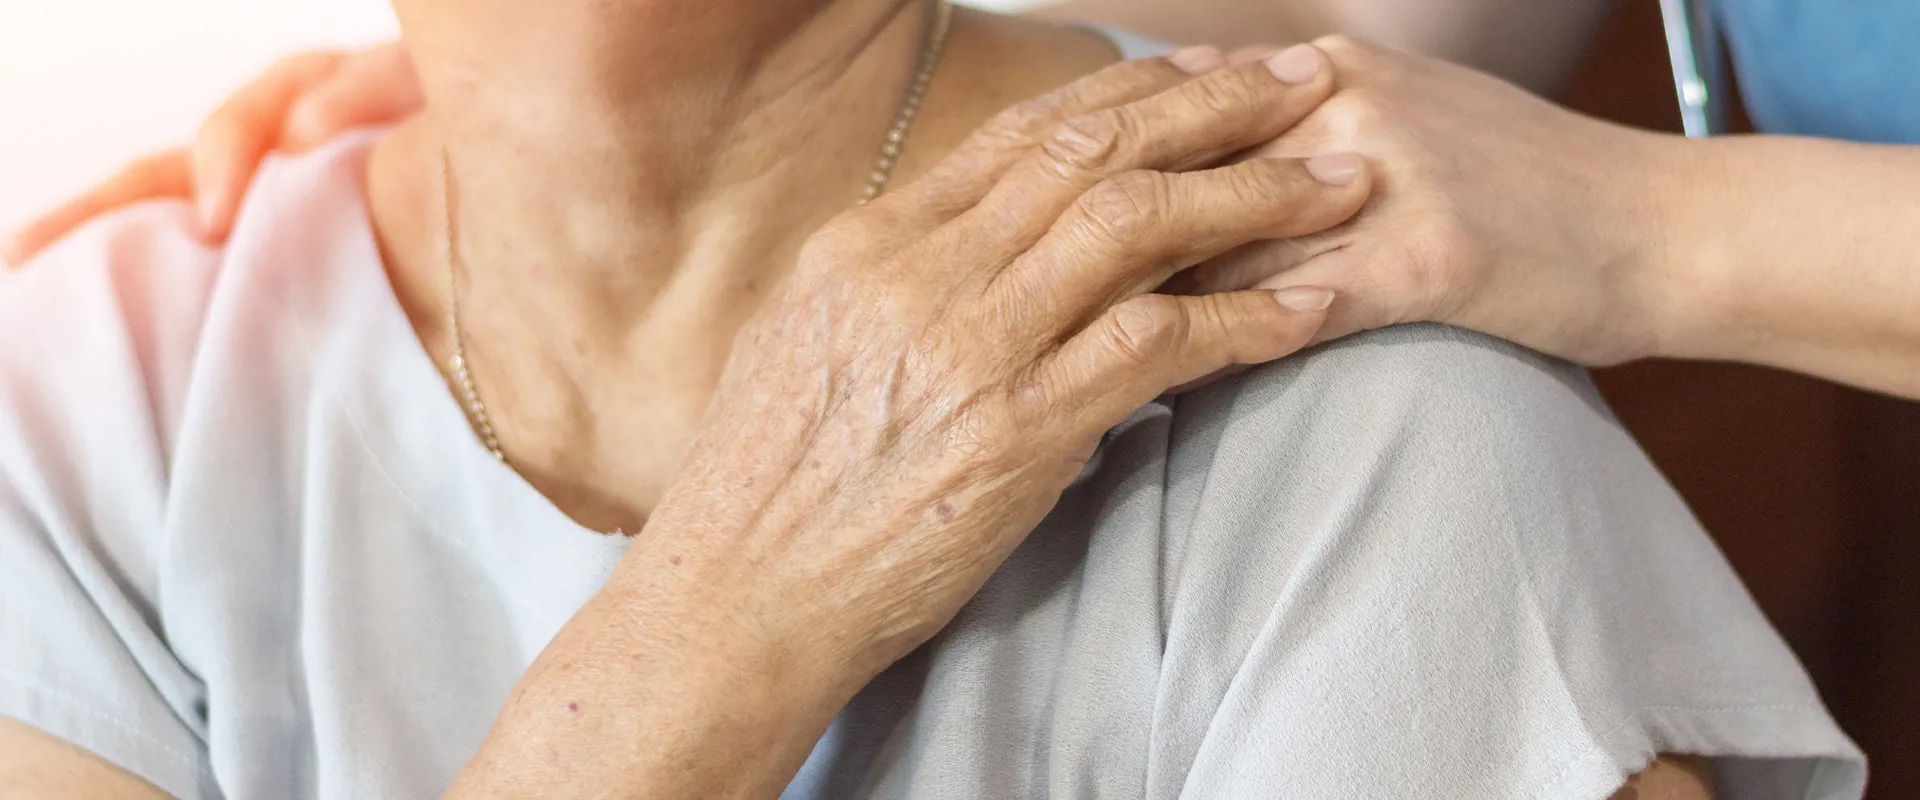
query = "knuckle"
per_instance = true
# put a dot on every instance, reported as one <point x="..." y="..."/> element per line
<point x="1030" y="120"/>
<point x="1144" y="73"/>
<point x="1019" y="124"/>
<point x="1125" y="79"/>
<point x="888" y="304"/>
<point x="862" y="242"/>
<point x="1124" y="209"/>
<point x="318" y="116"/>
<point x="324" y="106"/>
<point x="841" y="238"/>
<point x="1450" y="233"/>
<point x="1146" y="328"/>
<point x="1355" y="110"/>
<point x="1089" y="142"/>
<point x="1228" y="93"/>
<point x="1443" y="241"/>
<point x="1285" y="200"/>
<point x="1267" y="182"/>
<point x="1219" y="312"/>
<point x="1224" y="311"/>
<point x="1438" y="261"/>
<point x="1006" y="314"/>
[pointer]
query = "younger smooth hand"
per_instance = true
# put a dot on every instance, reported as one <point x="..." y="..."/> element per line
<point x="300" y="102"/>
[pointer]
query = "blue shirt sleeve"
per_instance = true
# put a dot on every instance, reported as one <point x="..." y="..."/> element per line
<point x="1839" y="70"/>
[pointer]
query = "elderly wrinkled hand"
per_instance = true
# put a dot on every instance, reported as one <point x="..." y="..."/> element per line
<point x="945" y="359"/>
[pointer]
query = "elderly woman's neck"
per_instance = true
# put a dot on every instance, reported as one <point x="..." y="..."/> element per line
<point x="629" y="189"/>
<point x="620" y="136"/>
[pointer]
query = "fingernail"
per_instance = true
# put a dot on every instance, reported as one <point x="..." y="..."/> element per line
<point x="1338" y="169"/>
<point x="1198" y="60"/>
<point x="1297" y="64"/>
<point x="1304" y="299"/>
<point x="10" y="248"/>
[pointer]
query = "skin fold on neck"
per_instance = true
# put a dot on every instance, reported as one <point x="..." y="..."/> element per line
<point x="633" y="178"/>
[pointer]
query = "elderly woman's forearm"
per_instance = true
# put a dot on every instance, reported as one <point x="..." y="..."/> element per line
<point x="1801" y="254"/>
<point x="1530" y="43"/>
<point x="819" y="530"/>
<point x="651" y="691"/>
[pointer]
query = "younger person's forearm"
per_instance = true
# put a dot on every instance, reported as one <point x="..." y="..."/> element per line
<point x="1533" y="44"/>
<point x="1801" y="254"/>
<point x="1225" y="23"/>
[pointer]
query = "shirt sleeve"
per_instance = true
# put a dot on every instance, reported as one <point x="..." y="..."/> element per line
<point x="1423" y="563"/>
<point x="96" y="339"/>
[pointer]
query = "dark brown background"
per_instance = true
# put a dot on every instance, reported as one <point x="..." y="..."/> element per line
<point x="1809" y="488"/>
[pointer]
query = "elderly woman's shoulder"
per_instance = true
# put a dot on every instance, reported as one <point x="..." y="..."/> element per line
<point x="1420" y="562"/>
<point x="149" y="265"/>
<point x="111" y="322"/>
<point x="1432" y="384"/>
<point x="110" y="311"/>
<point x="1429" y="439"/>
<point x="1434" y="363"/>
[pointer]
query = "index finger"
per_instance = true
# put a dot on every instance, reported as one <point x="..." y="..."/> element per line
<point x="156" y="176"/>
<point x="966" y="174"/>
<point x="1188" y="127"/>
<point x="1195" y="125"/>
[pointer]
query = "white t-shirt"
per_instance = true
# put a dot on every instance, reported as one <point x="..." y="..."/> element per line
<point x="250" y="548"/>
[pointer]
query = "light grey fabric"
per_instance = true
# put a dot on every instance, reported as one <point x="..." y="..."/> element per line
<point x="249" y="548"/>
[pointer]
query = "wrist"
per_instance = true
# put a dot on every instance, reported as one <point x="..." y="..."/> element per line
<point x="657" y="697"/>
<point x="733" y="624"/>
<point x="1682" y="287"/>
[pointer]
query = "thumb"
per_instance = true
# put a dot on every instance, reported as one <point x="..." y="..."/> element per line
<point x="234" y="140"/>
